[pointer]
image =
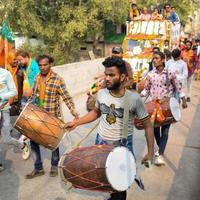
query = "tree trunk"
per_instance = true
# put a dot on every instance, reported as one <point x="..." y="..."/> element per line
<point x="95" y="43"/>
<point x="67" y="51"/>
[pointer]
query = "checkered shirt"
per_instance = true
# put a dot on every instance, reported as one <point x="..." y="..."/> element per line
<point x="54" y="89"/>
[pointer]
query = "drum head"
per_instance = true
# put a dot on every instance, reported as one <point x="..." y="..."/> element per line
<point x="120" y="168"/>
<point x="175" y="109"/>
<point x="21" y="114"/>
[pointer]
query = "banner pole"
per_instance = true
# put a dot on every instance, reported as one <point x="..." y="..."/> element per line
<point x="6" y="53"/>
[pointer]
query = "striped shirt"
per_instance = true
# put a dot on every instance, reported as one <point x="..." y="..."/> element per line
<point x="55" y="88"/>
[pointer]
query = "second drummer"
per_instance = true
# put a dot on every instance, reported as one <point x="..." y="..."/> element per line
<point x="48" y="88"/>
<point x="162" y="83"/>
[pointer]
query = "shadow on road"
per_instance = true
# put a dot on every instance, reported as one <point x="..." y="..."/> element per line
<point x="9" y="181"/>
<point x="187" y="177"/>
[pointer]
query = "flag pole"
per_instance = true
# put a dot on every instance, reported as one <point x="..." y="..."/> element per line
<point x="6" y="48"/>
<point x="6" y="53"/>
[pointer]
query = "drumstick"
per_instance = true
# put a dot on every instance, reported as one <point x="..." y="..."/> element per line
<point x="79" y="143"/>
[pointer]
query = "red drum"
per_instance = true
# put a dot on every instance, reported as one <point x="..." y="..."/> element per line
<point x="98" y="168"/>
<point x="40" y="126"/>
<point x="170" y="109"/>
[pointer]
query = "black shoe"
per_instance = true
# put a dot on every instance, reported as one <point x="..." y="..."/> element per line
<point x="118" y="196"/>
<point x="188" y="99"/>
<point x="54" y="171"/>
<point x="35" y="173"/>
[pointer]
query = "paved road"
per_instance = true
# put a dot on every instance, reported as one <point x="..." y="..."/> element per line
<point x="178" y="180"/>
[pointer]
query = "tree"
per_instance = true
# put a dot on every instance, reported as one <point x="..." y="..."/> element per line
<point x="64" y="24"/>
<point x="102" y="11"/>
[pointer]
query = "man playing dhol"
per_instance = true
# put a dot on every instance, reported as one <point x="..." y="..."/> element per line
<point x="110" y="106"/>
<point x="48" y="88"/>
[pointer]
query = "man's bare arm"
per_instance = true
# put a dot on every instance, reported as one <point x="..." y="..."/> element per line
<point x="89" y="117"/>
<point x="149" y="134"/>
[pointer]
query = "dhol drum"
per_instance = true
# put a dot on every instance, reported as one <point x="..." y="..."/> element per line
<point x="40" y="126"/>
<point x="101" y="168"/>
<point x="170" y="109"/>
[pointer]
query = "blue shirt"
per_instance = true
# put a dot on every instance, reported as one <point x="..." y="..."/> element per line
<point x="173" y="17"/>
<point x="7" y="87"/>
<point x="33" y="72"/>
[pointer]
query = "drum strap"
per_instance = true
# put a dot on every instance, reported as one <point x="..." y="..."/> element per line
<point x="82" y="140"/>
<point x="167" y="81"/>
<point x="125" y="118"/>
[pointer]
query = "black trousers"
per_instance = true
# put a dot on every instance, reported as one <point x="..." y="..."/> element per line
<point x="118" y="196"/>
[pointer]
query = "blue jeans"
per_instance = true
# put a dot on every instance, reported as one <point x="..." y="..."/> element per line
<point x="129" y="145"/>
<point x="24" y="101"/>
<point x="38" y="161"/>
<point x="5" y="128"/>
<point x="161" y="136"/>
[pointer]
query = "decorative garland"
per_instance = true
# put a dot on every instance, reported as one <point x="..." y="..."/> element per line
<point x="157" y="113"/>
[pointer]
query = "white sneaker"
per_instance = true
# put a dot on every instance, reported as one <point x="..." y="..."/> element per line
<point x="159" y="160"/>
<point x="156" y="154"/>
<point x="26" y="151"/>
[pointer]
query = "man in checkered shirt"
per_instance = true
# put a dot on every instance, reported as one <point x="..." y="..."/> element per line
<point x="48" y="89"/>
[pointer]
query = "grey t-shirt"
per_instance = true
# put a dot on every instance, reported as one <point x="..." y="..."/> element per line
<point x="112" y="110"/>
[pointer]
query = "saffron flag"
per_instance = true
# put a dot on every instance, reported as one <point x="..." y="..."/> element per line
<point x="7" y="55"/>
<point x="6" y="40"/>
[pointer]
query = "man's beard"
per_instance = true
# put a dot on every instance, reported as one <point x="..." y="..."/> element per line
<point x="115" y="86"/>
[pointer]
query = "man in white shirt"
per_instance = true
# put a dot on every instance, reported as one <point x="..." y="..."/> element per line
<point x="7" y="90"/>
<point x="178" y="66"/>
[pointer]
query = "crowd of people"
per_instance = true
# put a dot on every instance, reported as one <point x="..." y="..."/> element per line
<point x="38" y="84"/>
<point x="171" y="69"/>
<point x="166" y="13"/>
<point x="34" y="81"/>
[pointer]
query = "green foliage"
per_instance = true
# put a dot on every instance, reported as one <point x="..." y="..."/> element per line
<point x="34" y="51"/>
<point x="64" y="24"/>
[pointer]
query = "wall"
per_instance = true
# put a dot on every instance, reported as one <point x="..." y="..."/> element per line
<point x="79" y="76"/>
<point x="20" y="41"/>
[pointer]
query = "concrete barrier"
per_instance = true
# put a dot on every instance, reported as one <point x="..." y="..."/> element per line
<point x="79" y="76"/>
